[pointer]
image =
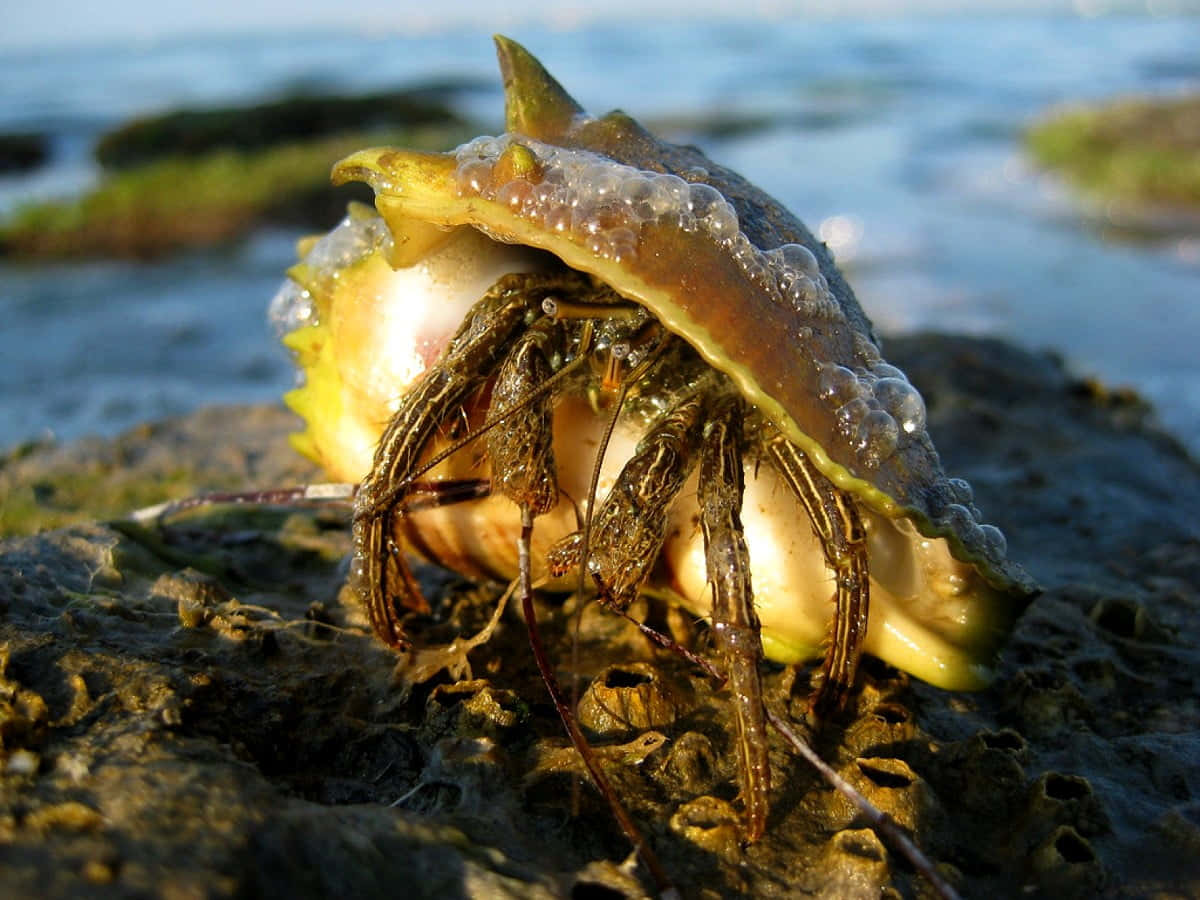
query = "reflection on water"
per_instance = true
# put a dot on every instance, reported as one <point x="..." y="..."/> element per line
<point x="897" y="140"/>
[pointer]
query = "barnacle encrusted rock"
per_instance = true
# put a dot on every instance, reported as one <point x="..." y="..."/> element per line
<point x="173" y="755"/>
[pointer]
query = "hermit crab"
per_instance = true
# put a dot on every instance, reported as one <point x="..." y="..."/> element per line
<point x="582" y="347"/>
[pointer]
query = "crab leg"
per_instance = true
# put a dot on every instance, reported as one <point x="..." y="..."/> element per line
<point x="380" y="572"/>
<point x="522" y="453"/>
<point x="630" y="526"/>
<point x="735" y="624"/>
<point x="839" y="528"/>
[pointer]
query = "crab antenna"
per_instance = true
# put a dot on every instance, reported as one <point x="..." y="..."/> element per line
<point x="534" y="103"/>
<point x="324" y="493"/>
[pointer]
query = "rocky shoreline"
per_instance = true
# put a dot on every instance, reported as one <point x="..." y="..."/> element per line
<point x="197" y="709"/>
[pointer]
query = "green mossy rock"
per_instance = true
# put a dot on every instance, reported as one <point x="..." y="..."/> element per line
<point x="197" y="132"/>
<point x="1138" y="153"/>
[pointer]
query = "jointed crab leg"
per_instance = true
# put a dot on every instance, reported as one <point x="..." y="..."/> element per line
<point x="735" y="624"/>
<point x="468" y="360"/>
<point x="381" y="573"/>
<point x="628" y="530"/>
<point x="628" y="533"/>
<point x="522" y="453"/>
<point x="838" y="526"/>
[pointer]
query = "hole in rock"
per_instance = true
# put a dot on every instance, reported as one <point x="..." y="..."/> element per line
<point x="884" y="777"/>
<point x="589" y="890"/>
<point x="1118" y="617"/>
<point x="1066" y="787"/>
<point x="891" y="713"/>
<point x="1072" y="848"/>
<point x="1007" y="739"/>
<point x="620" y="678"/>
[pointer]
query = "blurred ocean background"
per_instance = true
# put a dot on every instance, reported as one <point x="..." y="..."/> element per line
<point x="898" y="140"/>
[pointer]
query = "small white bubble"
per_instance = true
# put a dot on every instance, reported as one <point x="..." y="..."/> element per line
<point x="958" y="518"/>
<point x="623" y="243"/>
<point x="515" y="194"/>
<point x="901" y="400"/>
<point x="473" y="177"/>
<point x="676" y="191"/>
<point x="743" y="251"/>
<point x="994" y="538"/>
<point x="702" y="198"/>
<point x="953" y="585"/>
<point x="558" y="219"/>
<point x="797" y="257"/>
<point x="291" y="308"/>
<point x="721" y="221"/>
<point x="883" y="370"/>
<point x="589" y="222"/>
<point x="638" y="194"/>
<point x="837" y="384"/>
<point x="961" y="491"/>
<point x="544" y="196"/>
<point x="850" y="415"/>
<point x="604" y="180"/>
<point x="864" y="347"/>
<point x="878" y="437"/>
<point x="801" y="292"/>
<point x="599" y="245"/>
<point x="483" y="147"/>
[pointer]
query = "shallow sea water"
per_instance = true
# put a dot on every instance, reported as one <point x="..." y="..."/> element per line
<point x="897" y="141"/>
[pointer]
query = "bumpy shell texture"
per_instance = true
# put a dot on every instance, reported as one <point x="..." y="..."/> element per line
<point x="726" y="271"/>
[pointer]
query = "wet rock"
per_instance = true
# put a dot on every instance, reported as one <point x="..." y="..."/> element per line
<point x="192" y="132"/>
<point x="199" y="704"/>
<point x="22" y="151"/>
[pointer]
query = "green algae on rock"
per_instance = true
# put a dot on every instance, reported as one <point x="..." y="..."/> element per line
<point x="1140" y="152"/>
<point x="174" y="204"/>
<point x="47" y="485"/>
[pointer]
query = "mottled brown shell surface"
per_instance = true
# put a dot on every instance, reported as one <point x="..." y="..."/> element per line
<point x="781" y="347"/>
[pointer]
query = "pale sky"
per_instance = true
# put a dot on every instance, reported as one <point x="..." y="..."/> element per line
<point x="33" y="23"/>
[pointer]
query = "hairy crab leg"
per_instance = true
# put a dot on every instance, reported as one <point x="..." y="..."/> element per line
<point x="522" y="452"/>
<point x="327" y="492"/>
<point x="838" y="526"/>
<point x="629" y="528"/>
<point x="470" y="357"/>
<point x="420" y="495"/>
<point x="735" y="624"/>
<point x="380" y="573"/>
